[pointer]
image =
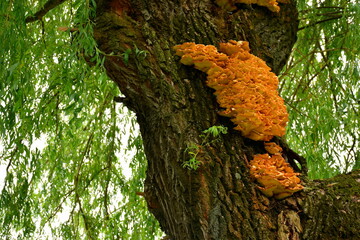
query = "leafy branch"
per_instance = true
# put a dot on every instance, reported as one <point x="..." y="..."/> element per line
<point x="44" y="10"/>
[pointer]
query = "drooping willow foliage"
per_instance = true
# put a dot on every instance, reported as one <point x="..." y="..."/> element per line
<point x="64" y="141"/>
<point x="320" y="85"/>
<point x="66" y="148"/>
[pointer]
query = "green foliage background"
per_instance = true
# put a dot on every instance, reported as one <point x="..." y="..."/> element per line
<point x="77" y="185"/>
<point x="320" y="85"/>
<point x="74" y="188"/>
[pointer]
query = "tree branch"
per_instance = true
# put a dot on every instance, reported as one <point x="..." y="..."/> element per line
<point x="50" y="4"/>
<point x="291" y="155"/>
<point x="321" y="21"/>
<point x="125" y="101"/>
<point x="9" y="164"/>
<point x="85" y="218"/>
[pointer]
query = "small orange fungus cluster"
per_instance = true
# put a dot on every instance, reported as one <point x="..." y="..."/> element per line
<point x="272" y="148"/>
<point x="244" y="87"/>
<point x="272" y="5"/>
<point x="275" y="175"/>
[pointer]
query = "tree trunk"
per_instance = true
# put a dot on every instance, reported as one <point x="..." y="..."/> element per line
<point x="173" y="106"/>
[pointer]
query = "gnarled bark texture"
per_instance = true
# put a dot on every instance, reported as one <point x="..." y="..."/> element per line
<point x="173" y="106"/>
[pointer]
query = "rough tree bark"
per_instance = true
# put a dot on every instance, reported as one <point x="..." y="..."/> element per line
<point x="173" y="106"/>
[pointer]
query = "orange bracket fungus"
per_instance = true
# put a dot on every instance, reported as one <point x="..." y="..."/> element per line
<point x="275" y="175"/>
<point x="244" y="87"/>
<point x="272" y="5"/>
<point x="272" y="148"/>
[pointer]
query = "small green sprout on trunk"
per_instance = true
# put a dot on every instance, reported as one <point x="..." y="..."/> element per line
<point x="139" y="54"/>
<point x="193" y="150"/>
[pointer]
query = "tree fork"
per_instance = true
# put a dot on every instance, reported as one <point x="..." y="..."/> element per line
<point x="173" y="106"/>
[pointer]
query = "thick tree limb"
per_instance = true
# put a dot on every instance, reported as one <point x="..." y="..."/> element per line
<point x="44" y="10"/>
<point x="331" y="209"/>
<point x="173" y="107"/>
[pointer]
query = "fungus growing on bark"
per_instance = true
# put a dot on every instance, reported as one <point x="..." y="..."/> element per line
<point x="272" y="148"/>
<point x="244" y="87"/>
<point x="275" y="175"/>
<point x="272" y="5"/>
